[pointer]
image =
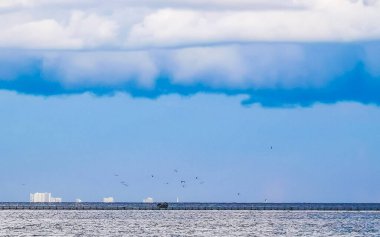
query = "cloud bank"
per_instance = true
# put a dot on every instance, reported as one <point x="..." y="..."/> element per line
<point x="278" y="53"/>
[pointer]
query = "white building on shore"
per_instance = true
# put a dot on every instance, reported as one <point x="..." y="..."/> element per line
<point x="148" y="200"/>
<point x="55" y="199"/>
<point x="108" y="199"/>
<point x="43" y="197"/>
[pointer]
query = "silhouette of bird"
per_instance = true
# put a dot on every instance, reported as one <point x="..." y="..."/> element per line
<point x="196" y="177"/>
<point x="175" y="170"/>
<point x="271" y="147"/>
<point x="152" y="176"/>
<point x="238" y="194"/>
<point x="167" y="183"/>
<point x="182" y="181"/>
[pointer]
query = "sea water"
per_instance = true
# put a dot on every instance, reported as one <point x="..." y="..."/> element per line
<point x="187" y="223"/>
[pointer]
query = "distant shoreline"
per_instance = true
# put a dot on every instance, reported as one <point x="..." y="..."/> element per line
<point x="192" y="206"/>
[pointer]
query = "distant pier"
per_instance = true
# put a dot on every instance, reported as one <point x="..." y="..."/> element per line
<point x="195" y="206"/>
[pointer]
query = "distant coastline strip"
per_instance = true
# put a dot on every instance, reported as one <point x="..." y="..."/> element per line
<point x="196" y="206"/>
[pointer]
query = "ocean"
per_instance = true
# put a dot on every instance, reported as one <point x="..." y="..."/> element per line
<point x="188" y="223"/>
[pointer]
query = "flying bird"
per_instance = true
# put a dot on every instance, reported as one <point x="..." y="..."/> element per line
<point x="182" y="181"/>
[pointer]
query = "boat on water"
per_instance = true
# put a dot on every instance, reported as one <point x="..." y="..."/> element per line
<point x="162" y="205"/>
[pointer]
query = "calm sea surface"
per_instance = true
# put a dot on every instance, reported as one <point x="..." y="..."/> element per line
<point x="187" y="223"/>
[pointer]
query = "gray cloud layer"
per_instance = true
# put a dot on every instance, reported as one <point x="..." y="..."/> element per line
<point x="283" y="74"/>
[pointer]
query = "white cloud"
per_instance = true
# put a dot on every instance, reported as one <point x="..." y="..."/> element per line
<point x="133" y="24"/>
<point x="80" y="31"/>
<point x="172" y="46"/>
<point x="14" y="3"/>
<point x="216" y="67"/>
<point x="91" y="69"/>
<point x="261" y="65"/>
<point x="333" y="21"/>
<point x="193" y="4"/>
<point x="94" y="30"/>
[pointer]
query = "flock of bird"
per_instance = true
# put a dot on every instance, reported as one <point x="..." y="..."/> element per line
<point x="182" y="182"/>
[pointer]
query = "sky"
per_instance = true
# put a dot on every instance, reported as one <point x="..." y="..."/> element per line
<point x="272" y="99"/>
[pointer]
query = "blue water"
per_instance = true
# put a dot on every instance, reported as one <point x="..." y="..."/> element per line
<point x="188" y="223"/>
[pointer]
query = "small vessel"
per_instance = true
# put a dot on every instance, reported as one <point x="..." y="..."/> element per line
<point x="162" y="205"/>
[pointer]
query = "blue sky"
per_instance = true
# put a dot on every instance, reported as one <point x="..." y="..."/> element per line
<point x="74" y="145"/>
<point x="134" y="88"/>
